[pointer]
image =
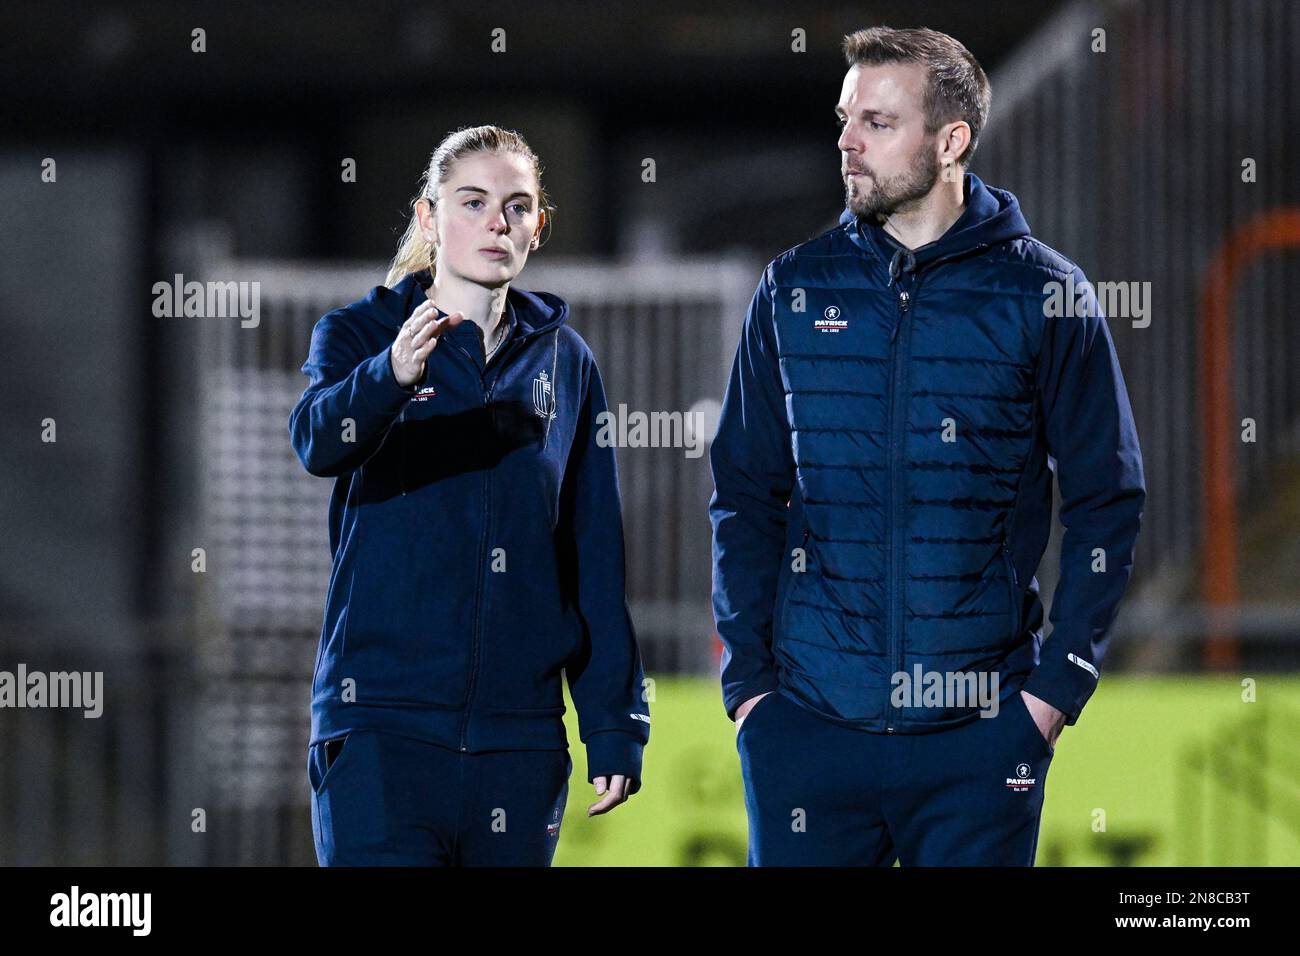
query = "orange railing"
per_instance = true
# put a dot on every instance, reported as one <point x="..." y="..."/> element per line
<point x="1277" y="229"/>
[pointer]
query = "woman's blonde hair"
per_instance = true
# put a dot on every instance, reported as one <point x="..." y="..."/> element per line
<point x="415" y="252"/>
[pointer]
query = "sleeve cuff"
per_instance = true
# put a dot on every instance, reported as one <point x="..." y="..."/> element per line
<point x="751" y="688"/>
<point x="1068" y="692"/>
<point x="613" y="751"/>
<point x="382" y="390"/>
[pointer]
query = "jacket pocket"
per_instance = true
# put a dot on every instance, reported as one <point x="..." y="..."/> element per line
<point x="332" y="750"/>
<point x="1013" y="587"/>
<point x="1030" y="725"/>
<point x="322" y="758"/>
<point x="791" y="588"/>
<point x="750" y="716"/>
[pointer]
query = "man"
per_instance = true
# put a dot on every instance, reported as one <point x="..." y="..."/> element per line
<point x="900" y="398"/>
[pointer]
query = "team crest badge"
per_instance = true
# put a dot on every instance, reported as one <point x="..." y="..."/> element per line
<point x="543" y="396"/>
<point x="832" y="320"/>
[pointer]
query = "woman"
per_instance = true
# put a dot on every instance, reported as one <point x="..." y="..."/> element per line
<point x="477" y="542"/>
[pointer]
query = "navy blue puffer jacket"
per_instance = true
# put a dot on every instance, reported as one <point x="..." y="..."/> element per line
<point x="897" y="414"/>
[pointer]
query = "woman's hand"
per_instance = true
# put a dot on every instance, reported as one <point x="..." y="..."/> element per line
<point x="416" y="340"/>
<point x="616" y="794"/>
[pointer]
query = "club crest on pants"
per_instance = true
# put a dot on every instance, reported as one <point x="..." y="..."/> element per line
<point x="1021" y="782"/>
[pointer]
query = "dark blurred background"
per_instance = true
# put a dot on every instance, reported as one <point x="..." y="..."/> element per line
<point x="226" y="165"/>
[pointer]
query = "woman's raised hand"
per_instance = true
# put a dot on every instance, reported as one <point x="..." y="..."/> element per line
<point x="417" y="338"/>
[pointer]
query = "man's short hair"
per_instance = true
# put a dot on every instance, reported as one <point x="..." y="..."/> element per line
<point x="956" y="87"/>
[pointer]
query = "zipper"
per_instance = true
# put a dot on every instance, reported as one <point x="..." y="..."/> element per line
<point x="1014" y="584"/>
<point x="896" y="416"/>
<point x="794" y="586"/>
<point x="401" y="440"/>
<point x="401" y="424"/>
<point x="897" y="422"/>
<point x="904" y="300"/>
<point x="475" y="640"/>
<point x="502" y="351"/>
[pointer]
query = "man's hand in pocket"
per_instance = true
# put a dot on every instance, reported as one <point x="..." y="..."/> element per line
<point x="743" y="710"/>
<point x="1050" y="721"/>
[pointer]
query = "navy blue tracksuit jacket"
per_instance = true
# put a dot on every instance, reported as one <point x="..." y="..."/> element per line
<point x="897" y="414"/>
<point x="476" y="535"/>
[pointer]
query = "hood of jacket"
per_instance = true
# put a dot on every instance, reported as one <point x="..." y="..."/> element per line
<point x="990" y="216"/>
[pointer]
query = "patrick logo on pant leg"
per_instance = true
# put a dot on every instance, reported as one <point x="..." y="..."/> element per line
<point x="1022" y="782"/>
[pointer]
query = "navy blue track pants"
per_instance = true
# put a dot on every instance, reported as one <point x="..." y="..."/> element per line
<point x="822" y="794"/>
<point x="381" y="799"/>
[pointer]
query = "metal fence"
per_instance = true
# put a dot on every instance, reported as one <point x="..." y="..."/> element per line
<point x="113" y="784"/>
<point x="1129" y="159"/>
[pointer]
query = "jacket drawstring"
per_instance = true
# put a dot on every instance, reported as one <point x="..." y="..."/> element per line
<point x="903" y="261"/>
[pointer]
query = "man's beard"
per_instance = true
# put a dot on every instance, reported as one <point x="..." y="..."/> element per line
<point x="888" y="196"/>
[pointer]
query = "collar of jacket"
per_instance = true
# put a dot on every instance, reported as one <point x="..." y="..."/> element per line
<point x="990" y="216"/>
<point x="530" y="313"/>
